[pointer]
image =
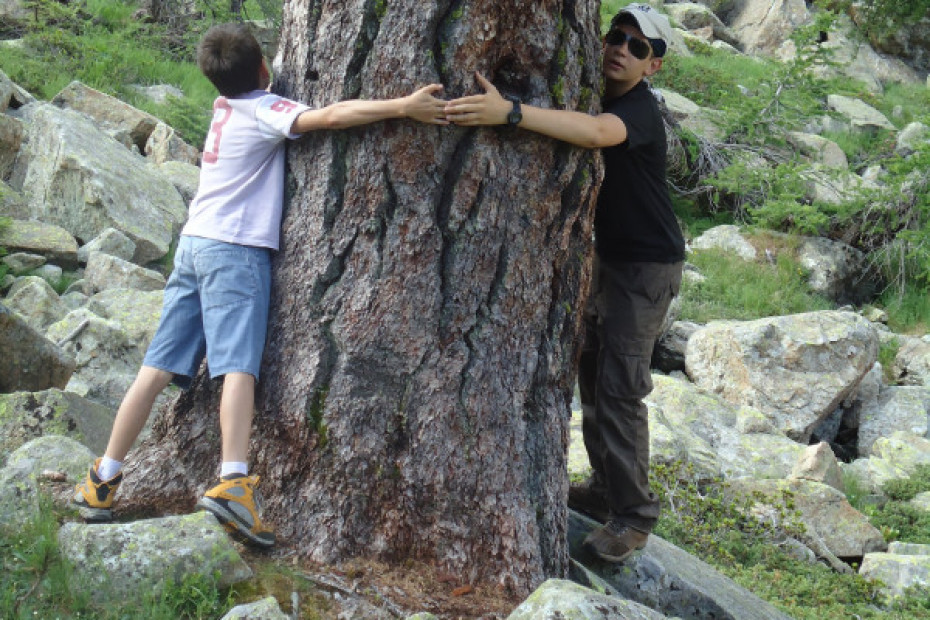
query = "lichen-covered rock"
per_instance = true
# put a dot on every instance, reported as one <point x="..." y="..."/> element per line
<point x="715" y="436"/>
<point x="262" y="609"/>
<point x="105" y="271"/>
<point x="578" y="464"/>
<point x="795" y="369"/>
<point x="25" y="416"/>
<point x="137" y="313"/>
<point x="30" y="361"/>
<point x="825" y="512"/>
<point x="19" y="499"/>
<point x="558" y="599"/>
<point x="120" y="560"/>
<point x="21" y="262"/>
<point x="913" y="137"/>
<point x="898" y="408"/>
<point x="892" y="458"/>
<point x="164" y="144"/>
<point x="836" y="270"/>
<point x="106" y="360"/>
<point x="185" y="177"/>
<point x="110" y="241"/>
<point x="819" y="464"/>
<point x="128" y="125"/>
<point x="726" y="238"/>
<point x="671" y="581"/>
<point x="36" y="302"/>
<point x="53" y="242"/>
<point x="912" y="363"/>
<point x="84" y="181"/>
<point x="12" y="203"/>
<point x="861" y="115"/>
<point x="819" y="149"/>
<point x="11" y="138"/>
<point x="899" y="571"/>
<point x="11" y="94"/>
<point x="52" y="453"/>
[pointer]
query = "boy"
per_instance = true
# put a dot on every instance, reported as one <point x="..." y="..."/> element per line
<point x="216" y="299"/>
<point x="638" y="264"/>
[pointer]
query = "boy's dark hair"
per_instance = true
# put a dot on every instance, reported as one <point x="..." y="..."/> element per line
<point x="230" y="57"/>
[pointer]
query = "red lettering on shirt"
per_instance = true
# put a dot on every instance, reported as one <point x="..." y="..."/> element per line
<point x="221" y="115"/>
<point x="283" y="106"/>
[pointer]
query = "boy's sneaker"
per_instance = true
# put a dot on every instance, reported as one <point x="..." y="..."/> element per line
<point x="235" y="503"/>
<point x="94" y="498"/>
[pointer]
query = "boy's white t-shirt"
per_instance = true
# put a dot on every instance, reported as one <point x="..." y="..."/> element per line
<point x="241" y="190"/>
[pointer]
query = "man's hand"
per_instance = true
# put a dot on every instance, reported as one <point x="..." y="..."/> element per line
<point x="422" y="106"/>
<point x="487" y="109"/>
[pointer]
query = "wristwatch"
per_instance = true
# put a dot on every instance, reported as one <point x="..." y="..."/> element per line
<point x="515" y="115"/>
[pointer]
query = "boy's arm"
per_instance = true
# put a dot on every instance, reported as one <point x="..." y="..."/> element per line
<point x="421" y="105"/>
<point x="575" y="128"/>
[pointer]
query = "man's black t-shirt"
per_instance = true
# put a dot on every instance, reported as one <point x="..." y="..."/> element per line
<point x="634" y="221"/>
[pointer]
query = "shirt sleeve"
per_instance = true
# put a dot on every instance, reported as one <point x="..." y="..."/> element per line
<point x="275" y="116"/>
<point x="635" y="114"/>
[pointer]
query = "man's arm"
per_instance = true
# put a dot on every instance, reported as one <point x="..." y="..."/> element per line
<point x="575" y="128"/>
<point x="421" y="105"/>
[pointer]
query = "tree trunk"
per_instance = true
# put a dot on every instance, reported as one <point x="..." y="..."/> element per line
<point x="415" y="395"/>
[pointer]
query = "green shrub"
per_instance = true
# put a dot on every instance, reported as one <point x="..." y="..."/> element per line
<point x="906" y="489"/>
<point x="698" y="517"/>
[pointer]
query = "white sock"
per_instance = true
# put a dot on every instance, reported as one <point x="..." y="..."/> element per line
<point x="234" y="467"/>
<point x="108" y="468"/>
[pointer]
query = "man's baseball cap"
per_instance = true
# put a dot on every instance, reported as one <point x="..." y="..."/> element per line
<point x="652" y="23"/>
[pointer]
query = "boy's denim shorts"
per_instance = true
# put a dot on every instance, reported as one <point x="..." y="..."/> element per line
<point x="216" y="303"/>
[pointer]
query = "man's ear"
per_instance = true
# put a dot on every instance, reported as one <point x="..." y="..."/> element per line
<point x="654" y="65"/>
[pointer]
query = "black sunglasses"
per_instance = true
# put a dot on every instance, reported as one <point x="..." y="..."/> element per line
<point x="638" y="47"/>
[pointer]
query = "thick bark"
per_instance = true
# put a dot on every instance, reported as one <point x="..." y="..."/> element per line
<point x="420" y="362"/>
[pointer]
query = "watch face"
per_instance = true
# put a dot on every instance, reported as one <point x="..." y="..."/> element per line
<point x="514" y="117"/>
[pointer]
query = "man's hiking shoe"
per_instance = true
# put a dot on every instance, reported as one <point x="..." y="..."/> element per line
<point x="235" y="503"/>
<point x="614" y="541"/>
<point x="589" y="499"/>
<point x="94" y="498"/>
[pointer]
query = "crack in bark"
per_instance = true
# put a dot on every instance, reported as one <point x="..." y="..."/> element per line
<point x="481" y="318"/>
<point x="335" y="189"/>
<point x="385" y="216"/>
<point x="571" y="197"/>
<point x="456" y="167"/>
<point x="310" y="74"/>
<point x="367" y="33"/>
<point x="447" y="17"/>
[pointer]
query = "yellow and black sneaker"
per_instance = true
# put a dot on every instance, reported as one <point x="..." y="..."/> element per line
<point x="94" y="498"/>
<point x="236" y="504"/>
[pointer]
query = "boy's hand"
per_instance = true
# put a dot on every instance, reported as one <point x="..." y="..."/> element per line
<point x="487" y="109"/>
<point x="421" y="105"/>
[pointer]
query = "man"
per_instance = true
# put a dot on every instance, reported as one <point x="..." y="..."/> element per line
<point x="640" y="253"/>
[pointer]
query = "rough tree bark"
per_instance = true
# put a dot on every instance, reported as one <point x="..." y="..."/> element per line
<point x="420" y="363"/>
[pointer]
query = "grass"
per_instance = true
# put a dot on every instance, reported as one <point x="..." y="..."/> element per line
<point x="908" y="312"/>
<point x="744" y="290"/>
